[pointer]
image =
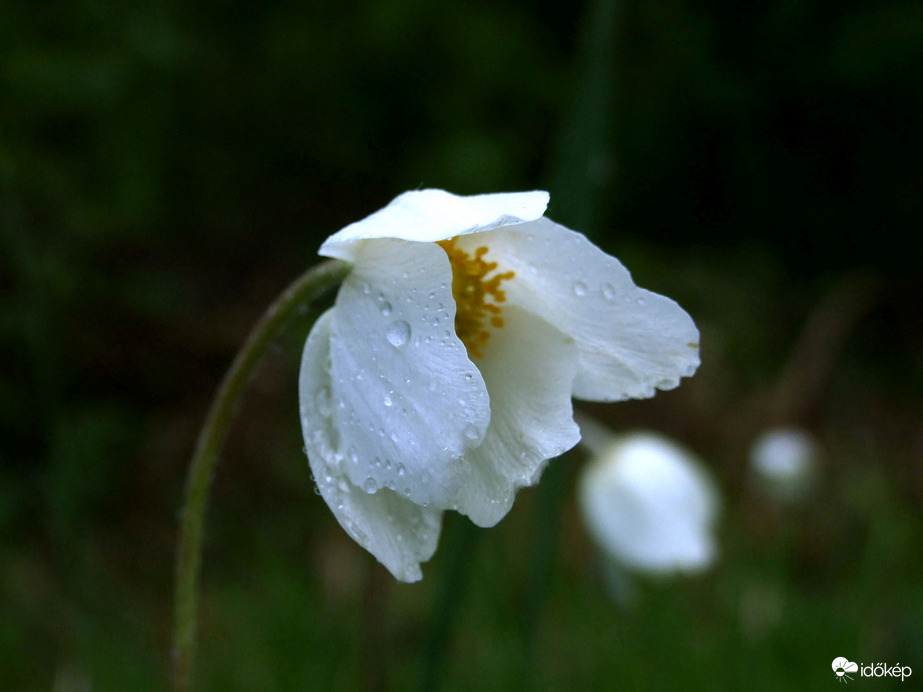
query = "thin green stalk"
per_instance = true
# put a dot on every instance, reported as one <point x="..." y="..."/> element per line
<point x="461" y="542"/>
<point x="302" y="292"/>
<point x="552" y="493"/>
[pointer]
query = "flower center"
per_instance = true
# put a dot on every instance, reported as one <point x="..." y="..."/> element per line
<point x="476" y="297"/>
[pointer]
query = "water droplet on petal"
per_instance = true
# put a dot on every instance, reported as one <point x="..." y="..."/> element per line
<point x="323" y="402"/>
<point x="398" y="333"/>
<point x="370" y="486"/>
<point x="385" y="308"/>
<point x="471" y="432"/>
<point x="608" y="291"/>
<point x="387" y="400"/>
<point x="579" y="288"/>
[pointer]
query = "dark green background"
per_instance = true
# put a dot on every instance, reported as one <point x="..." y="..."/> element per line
<point x="167" y="169"/>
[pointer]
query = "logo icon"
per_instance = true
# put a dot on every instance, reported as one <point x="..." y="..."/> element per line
<point x="841" y="666"/>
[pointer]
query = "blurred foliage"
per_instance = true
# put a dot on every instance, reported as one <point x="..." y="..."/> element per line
<point x="165" y="170"/>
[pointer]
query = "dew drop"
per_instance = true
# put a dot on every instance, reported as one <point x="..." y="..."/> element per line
<point x="471" y="432"/>
<point x="579" y="288"/>
<point x="401" y="470"/>
<point x="385" y="308"/>
<point x="323" y="402"/>
<point x="387" y="400"/>
<point x="370" y="486"/>
<point x="608" y="291"/>
<point x="398" y="333"/>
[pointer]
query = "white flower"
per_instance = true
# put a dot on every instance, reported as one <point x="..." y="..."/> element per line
<point x="649" y="504"/>
<point x="442" y="377"/>
<point x="784" y="463"/>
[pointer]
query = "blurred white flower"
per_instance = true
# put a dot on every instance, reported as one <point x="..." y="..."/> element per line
<point x="442" y="377"/>
<point x="784" y="463"/>
<point x="650" y="505"/>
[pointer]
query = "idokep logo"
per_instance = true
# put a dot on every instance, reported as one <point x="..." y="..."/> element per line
<point x="841" y="667"/>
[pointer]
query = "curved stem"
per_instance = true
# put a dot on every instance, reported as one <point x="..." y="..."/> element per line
<point x="305" y="289"/>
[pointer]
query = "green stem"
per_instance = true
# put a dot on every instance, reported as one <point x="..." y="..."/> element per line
<point x="302" y="292"/>
<point x="450" y="599"/>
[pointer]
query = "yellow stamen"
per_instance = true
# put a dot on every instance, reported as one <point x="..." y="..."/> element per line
<point x="472" y="289"/>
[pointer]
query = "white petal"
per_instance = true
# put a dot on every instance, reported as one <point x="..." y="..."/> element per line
<point x="432" y="215"/>
<point x="404" y="395"/>
<point x="399" y="533"/>
<point x="650" y="505"/>
<point x="528" y="366"/>
<point x="630" y="341"/>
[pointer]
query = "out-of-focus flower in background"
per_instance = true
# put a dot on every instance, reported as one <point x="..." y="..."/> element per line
<point x="650" y="504"/>
<point x="442" y="377"/>
<point x="784" y="463"/>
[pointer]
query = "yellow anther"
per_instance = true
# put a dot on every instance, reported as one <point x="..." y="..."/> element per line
<point x="472" y="290"/>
